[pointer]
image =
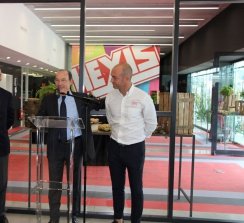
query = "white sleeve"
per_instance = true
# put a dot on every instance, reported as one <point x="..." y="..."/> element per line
<point x="108" y="113"/>
<point x="150" y="116"/>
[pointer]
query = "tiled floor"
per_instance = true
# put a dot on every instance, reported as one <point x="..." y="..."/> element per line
<point x="21" y="218"/>
<point x="218" y="191"/>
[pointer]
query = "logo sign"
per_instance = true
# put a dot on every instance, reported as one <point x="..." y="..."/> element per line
<point x="144" y="61"/>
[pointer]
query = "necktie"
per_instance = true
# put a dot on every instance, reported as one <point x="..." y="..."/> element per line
<point x="63" y="113"/>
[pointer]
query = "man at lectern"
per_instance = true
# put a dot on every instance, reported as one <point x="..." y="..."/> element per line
<point x="67" y="104"/>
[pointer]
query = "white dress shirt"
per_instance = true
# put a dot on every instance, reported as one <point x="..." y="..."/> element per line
<point x="71" y="113"/>
<point x="132" y="117"/>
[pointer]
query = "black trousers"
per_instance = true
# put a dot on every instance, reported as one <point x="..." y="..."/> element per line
<point x="120" y="158"/>
<point x="3" y="182"/>
<point x="56" y="168"/>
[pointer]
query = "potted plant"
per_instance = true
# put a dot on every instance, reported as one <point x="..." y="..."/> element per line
<point x="242" y="95"/>
<point x="44" y="90"/>
<point x="226" y="91"/>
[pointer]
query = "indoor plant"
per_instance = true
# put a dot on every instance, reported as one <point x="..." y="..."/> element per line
<point x="226" y="91"/>
<point x="48" y="89"/>
<point x="242" y="95"/>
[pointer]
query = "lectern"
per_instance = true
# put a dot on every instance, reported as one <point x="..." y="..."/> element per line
<point x="42" y="124"/>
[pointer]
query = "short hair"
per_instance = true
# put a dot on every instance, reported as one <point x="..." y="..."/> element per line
<point x="126" y="68"/>
<point x="69" y="73"/>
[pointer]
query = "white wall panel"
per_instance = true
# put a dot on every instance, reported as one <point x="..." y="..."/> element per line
<point x="23" y="32"/>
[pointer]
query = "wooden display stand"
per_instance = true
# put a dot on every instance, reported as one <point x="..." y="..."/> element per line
<point x="239" y="107"/>
<point x="184" y="112"/>
<point x="229" y="103"/>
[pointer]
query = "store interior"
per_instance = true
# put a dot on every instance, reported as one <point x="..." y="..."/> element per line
<point x="199" y="59"/>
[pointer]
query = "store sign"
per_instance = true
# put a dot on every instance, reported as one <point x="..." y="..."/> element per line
<point x="144" y="61"/>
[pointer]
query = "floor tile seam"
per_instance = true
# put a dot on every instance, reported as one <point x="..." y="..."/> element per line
<point x="151" y="191"/>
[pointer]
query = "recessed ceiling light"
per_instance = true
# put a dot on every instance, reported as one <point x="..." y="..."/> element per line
<point x="132" y="37"/>
<point x="120" y="30"/>
<point x="8" y="58"/>
<point x="61" y="17"/>
<point x="34" y="66"/>
<point x="18" y="61"/>
<point x="57" y="9"/>
<point x="125" y="25"/>
<point x="124" y="8"/>
<point x="27" y="64"/>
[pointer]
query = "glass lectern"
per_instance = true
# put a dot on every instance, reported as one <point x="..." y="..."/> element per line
<point x="42" y="124"/>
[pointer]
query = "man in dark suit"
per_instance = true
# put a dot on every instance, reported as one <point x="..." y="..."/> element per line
<point x="58" y="143"/>
<point x="6" y="121"/>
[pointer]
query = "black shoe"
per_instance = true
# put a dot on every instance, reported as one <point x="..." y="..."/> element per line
<point x="3" y="219"/>
<point x="75" y="219"/>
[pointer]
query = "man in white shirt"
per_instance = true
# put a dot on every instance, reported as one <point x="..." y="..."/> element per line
<point x="132" y="116"/>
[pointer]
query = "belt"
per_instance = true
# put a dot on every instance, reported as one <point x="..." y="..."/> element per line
<point x="69" y="140"/>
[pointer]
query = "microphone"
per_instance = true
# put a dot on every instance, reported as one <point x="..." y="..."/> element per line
<point x="86" y="100"/>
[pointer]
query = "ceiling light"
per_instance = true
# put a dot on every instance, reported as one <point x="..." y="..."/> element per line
<point x="34" y="66"/>
<point x="107" y="39"/>
<point x="57" y="9"/>
<point x="191" y="19"/>
<point x="8" y="58"/>
<point x="141" y="25"/>
<point x="122" y="37"/>
<point x="129" y="17"/>
<point x="126" y="25"/>
<point x="125" y="8"/>
<point x="134" y="44"/>
<point x="71" y="36"/>
<point x="153" y="8"/>
<point x="27" y="64"/>
<point x="18" y="61"/>
<point x="119" y="30"/>
<point x="199" y="8"/>
<point x="66" y="25"/>
<point x="67" y="30"/>
<point x="61" y="17"/>
<point x="143" y="17"/>
<point x="121" y="17"/>
<point x="72" y="39"/>
<point x="107" y="30"/>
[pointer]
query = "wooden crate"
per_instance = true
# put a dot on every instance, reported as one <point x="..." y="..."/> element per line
<point x="184" y="112"/>
<point x="229" y="102"/>
<point x="239" y="107"/>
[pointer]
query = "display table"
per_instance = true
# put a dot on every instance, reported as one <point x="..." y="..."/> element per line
<point x="189" y="198"/>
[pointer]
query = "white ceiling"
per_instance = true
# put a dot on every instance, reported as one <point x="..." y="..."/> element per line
<point x="127" y="22"/>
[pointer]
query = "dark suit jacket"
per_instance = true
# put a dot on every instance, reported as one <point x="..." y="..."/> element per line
<point x="49" y="107"/>
<point x="6" y="120"/>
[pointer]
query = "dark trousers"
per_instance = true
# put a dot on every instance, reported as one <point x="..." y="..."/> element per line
<point x="3" y="182"/>
<point x="56" y="168"/>
<point x="120" y="158"/>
